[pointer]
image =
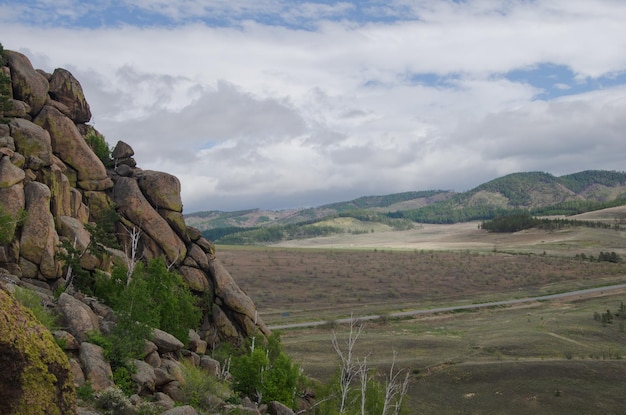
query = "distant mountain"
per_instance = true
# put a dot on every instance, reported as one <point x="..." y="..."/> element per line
<point x="258" y="218"/>
<point x="535" y="192"/>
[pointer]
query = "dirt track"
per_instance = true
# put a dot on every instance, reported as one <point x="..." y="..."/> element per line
<point x="578" y="293"/>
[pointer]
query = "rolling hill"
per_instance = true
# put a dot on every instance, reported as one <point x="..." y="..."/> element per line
<point x="537" y="193"/>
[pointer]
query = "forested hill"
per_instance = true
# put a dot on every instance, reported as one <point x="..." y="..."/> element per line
<point x="534" y="192"/>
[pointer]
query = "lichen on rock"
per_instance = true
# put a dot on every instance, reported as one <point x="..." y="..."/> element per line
<point x="36" y="374"/>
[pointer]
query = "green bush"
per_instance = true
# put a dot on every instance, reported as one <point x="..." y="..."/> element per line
<point x="2" y="56"/>
<point x="266" y="373"/>
<point x="122" y="377"/>
<point x="9" y="223"/>
<point x="33" y="302"/>
<point x="112" y="401"/>
<point x="85" y="392"/>
<point x="247" y="371"/>
<point x="99" y="147"/>
<point x="200" y="389"/>
<point x="155" y="297"/>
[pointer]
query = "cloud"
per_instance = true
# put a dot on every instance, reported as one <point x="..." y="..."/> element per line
<point x="557" y="136"/>
<point x="283" y="104"/>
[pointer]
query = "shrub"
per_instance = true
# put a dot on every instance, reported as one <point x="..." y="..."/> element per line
<point x="201" y="390"/>
<point x="9" y="223"/>
<point x="154" y="297"/>
<point x="85" y="392"/>
<point x="70" y="256"/>
<point x="266" y="373"/>
<point x="33" y="302"/>
<point x="99" y="147"/>
<point x="122" y="377"/>
<point x="113" y="401"/>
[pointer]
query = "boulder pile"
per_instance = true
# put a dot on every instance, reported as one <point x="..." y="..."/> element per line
<point x="53" y="184"/>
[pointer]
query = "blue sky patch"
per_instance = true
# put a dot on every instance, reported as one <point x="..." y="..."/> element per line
<point x="300" y="14"/>
<point x="559" y="80"/>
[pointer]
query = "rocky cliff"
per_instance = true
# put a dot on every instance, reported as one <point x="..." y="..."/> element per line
<point x="53" y="185"/>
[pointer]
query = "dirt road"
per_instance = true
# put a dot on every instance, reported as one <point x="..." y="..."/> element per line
<point x="578" y="293"/>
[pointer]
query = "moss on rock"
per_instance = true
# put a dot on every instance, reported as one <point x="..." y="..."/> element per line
<point x="36" y="374"/>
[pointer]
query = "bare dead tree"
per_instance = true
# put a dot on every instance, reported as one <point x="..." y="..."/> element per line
<point x="395" y="389"/>
<point x="349" y="366"/>
<point x="364" y="378"/>
<point x="357" y="370"/>
<point x="131" y="259"/>
<point x="171" y="264"/>
<point x="69" y="275"/>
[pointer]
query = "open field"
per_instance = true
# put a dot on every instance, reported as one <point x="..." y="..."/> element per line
<point x="548" y="357"/>
<point x="468" y="236"/>
<point x="512" y="360"/>
<point x="289" y="284"/>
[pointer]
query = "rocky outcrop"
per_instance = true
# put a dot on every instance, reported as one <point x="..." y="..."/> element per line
<point x="52" y="184"/>
<point x="96" y="368"/>
<point x="29" y="86"/>
<point x="66" y="91"/>
<point x="73" y="150"/>
<point x="77" y="317"/>
<point x="53" y="187"/>
<point x="39" y="240"/>
<point x="36" y="374"/>
<point x="134" y="206"/>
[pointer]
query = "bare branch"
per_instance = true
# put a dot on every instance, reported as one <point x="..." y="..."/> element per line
<point x="348" y="369"/>
<point x="364" y="378"/>
<point x="131" y="258"/>
<point x="394" y="390"/>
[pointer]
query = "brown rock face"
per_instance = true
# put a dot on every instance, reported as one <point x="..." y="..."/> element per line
<point x="65" y="89"/>
<point x="78" y="317"/>
<point x="195" y="278"/>
<point x="133" y="205"/>
<point x="122" y="151"/>
<point x="39" y="240"/>
<point x="28" y="85"/>
<point x="97" y="369"/>
<point x="161" y="189"/>
<point x="70" y="145"/>
<point x="10" y="174"/>
<point x="31" y="140"/>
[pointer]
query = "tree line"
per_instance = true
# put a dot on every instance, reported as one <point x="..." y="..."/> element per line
<point x="520" y="221"/>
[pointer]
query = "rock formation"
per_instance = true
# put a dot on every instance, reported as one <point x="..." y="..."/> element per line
<point x="52" y="184"/>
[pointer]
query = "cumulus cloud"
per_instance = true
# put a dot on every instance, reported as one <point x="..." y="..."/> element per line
<point x="287" y="104"/>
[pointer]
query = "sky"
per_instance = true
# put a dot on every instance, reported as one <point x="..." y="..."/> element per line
<point x="280" y="104"/>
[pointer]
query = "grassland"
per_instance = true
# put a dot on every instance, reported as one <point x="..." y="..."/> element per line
<point x="540" y="358"/>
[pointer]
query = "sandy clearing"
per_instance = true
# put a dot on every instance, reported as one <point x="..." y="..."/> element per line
<point x="459" y="236"/>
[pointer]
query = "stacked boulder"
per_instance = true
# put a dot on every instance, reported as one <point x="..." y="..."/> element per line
<point x="53" y="185"/>
<point x="158" y="376"/>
